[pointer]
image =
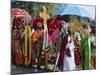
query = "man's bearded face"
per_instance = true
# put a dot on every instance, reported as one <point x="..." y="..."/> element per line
<point x="39" y="26"/>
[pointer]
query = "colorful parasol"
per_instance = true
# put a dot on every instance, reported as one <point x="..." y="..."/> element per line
<point x="84" y="11"/>
<point x="17" y="12"/>
<point x="19" y="15"/>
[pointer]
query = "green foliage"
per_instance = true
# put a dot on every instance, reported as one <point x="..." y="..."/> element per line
<point x="34" y="7"/>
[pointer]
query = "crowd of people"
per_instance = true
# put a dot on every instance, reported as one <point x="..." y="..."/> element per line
<point x="69" y="43"/>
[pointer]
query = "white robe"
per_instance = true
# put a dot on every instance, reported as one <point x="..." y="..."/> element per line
<point x="69" y="62"/>
<point x="45" y="39"/>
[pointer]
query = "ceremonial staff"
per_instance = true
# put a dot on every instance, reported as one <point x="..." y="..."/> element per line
<point x="45" y="16"/>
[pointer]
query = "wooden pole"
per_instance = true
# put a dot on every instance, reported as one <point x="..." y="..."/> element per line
<point x="45" y="16"/>
<point x="46" y="65"/>
<point x="25" y="42"/>
<point x="30" y="45"/>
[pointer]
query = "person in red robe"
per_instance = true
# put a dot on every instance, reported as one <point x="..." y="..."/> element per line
<point x="15" y="45"/>
<point x="61" y="57"/>
<point x="63" y="49"/>
<point x="77" y="55"/>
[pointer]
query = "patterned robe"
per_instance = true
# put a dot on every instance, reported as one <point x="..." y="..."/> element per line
<point x="86" y="53"/>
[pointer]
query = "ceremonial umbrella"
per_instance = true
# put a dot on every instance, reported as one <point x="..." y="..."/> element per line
<point x="19" y="15"/>
<point x="83" y="11"/>
<point x="17" y="12"/>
